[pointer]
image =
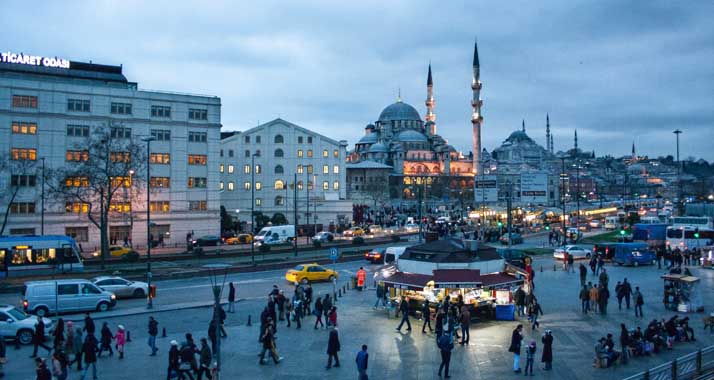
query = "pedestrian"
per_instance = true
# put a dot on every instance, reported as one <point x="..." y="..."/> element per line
<point x="121" y="340"/>
<point x="565" y="261"/>
<point x="426" y="315"/>
<point x="332" y="317"/>
<point x="187" y="358"/>
<point x="204" y="361"/>
<point x="620" y="294"/>
<point x="465" y="320"/>
<point x="627" y="290"/>
<point x="333" y="346"/>
<point x="59" y="335"/>
<point x="520" y="297"/>
<point x="584" y="299"/>
<point x="594" y="298"/>
<point x="639" y="301"/>
<point x="231" y="298"/>
<point x="289" y="312"/>
<point x="380" y="296"/>
<point x="38" y="338"/>
<point x="533" y="312"/>
<point x="307" y="299"/>
<point x="222" y="319"/>
<point x="3" y="357"/>
<point x="89" y="352"/>
<point x="515" y="347"/>
<point x="362" y="361"/>
<point x="326" y="305"/>
<point x="593" y="264"/>
<point x="153" y="332"/>
<point x="571" y="261"/>
<point x="604" y="278"/>
<point x="297" y="309"/>
<point x="404" y="310"/>
<point x="106" y="340"/>
<point x="213" y="334"/>
<point x="269" y="346"/>
<point x="624" y="342"/>
<point x="89" y="327"/>
<point x="659" y="254"/>
<point x="77" y="342"/>
<point x="173" y="369"/>
<point x="445" y="344"/>
<point x="530" y="356"/>
<point x="317" y="311"/>
<point x="583" y="274"/>
<point x="547" y="357"/>
<point x="361" y="277"/>
<point x="59" y="365"/>
<point x="603" y="296"/>
<point x="41" y="370"/>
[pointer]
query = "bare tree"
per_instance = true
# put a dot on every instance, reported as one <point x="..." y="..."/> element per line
<point x="376" y="190"/>
<point x="21" y="173"/>
<point x="105" y="167"/>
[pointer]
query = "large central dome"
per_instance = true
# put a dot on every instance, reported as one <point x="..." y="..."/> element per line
<point x="399" y="111"/>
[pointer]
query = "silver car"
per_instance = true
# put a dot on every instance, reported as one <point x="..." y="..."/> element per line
<point x="121" y="287"/>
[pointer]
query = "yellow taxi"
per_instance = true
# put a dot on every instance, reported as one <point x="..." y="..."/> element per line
<point x="115" y="251"/>
<point x="240" y="239"/>
<point x="305" y="273"/>
<point x="354" y="231"/>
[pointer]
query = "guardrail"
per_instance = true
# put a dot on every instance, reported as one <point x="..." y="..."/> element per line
<point x="683" y="368"/>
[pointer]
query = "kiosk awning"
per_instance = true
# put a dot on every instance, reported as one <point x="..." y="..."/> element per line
<point x="413" y="281"/>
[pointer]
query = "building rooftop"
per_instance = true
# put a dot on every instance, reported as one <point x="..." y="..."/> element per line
<point x="449" y="251"/>
<point x="367" y="165"/>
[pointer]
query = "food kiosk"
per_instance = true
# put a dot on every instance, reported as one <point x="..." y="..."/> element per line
<point x="707" y="258"/>
<point x="682" y="293"/>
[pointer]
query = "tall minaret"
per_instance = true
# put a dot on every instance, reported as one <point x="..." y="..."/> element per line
<point x="633" y="150"/>
<point x="552" y="148"/>
<point x="476" y="117"/>
<point x="576" y="141"/>
<point x="430" y="115"/>
<point x="548" y="147"/>
<point x="523" y="125"/>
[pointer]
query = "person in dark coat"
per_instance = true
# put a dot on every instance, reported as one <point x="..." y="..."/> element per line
<point x="105" y="340"/>
<point x="38" y="337"/>
<point x="231" y="298"/>
<point x="43" y="373"/>
<point x="426" y="314"/>
<point x="89" y="352"/>
<point x="603" y="296"/>
<point x="547" y="357"/>
<point x="445" y="344"/>
<point x="515" y="347"/>
<point x="59" y="334"/>
<point x="205" y="360"/>
<point x="439" y="323"/>
<point x="318" y="312"/>
<point x="280" y="302"/>
<point x="627" y="290"/>
<point x="89" y="324"/>
<point x="153" y="332"/>
<point x="3" y="356"/>
<point x="333" y="346"/>
<point x="404" y="310"/>
<point x="269" y="345"/>
<point x="264" y="316"/>
<point x="583" y="274"/>
<point x="173" y="360"/>
<point x="212" y="333"/>
<point x="362" y="361"/>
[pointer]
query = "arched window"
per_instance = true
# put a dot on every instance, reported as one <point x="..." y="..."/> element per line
<point x="279" y="185"/>
<point x="278" y="169"/>
<point x="299" y="185"/>
<point x="279" y="201"/>
<point x="278" y="152"/>
<point x="278" y="139"/>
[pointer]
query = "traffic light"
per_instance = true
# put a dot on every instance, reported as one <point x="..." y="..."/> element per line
<point x="696" y="233"/>
<point x="622" y="232"/>
<point x="547" y="227"/>
<point x="500" y="224"/>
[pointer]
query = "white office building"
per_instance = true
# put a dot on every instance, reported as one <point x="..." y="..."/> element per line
<point x="47" y="106"/>
<point x="267" y="167"/>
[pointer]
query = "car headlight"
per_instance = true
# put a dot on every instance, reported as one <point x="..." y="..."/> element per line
<point x="114" y="296"/>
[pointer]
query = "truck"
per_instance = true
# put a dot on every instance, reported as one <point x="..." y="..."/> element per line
<point x="655" y="235"/>
<point x="274" y="235"/>
<point x="634" y="254"/>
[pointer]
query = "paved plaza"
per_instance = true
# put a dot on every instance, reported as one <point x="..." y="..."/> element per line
<point x="402" y="355"/>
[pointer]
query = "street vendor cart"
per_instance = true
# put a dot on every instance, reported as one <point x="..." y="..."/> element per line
<point x="682" y="293"/>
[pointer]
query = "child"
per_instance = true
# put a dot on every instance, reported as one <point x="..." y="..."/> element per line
<point x="121" y="341"/>
<point x="530" y="354"/>
<point x="332" y="317"/>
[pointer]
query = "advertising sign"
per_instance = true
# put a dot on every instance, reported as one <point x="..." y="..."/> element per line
<point x="534" y="187"/>
<point x="486" y="189"/>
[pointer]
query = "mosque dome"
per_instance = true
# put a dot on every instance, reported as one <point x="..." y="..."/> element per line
<point x="370" y="138"/>
<point x="519" y="136"/>
<point x="399" y="111"/>
<point x="378" y="148"/>
<point x="411" y="136"/>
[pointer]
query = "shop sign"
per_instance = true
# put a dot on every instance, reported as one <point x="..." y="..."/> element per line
<point x="33" y="60"/>
<point x="534" y="187"/>
<point x="486" y="189"/>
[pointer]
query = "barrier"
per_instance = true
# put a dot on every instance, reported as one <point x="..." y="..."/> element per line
<point x="683" y="368"/>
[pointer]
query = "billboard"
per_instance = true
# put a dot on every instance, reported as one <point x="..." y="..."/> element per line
<point x="485" y="189"/>
<point x="534" y="187"/>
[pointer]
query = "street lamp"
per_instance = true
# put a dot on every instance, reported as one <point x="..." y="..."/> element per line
<point x="150" y="303"/>
<point x="252" y="206"/>
<point x="562" y="196"/>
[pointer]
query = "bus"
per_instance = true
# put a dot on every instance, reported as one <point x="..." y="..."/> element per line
<point x="688" y="237"/>
<point x="31" y="255"/>
<point x="692" y="221"/>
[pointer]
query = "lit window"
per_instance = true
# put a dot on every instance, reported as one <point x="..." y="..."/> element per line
<point x="309" y="169"/>
<point x="24" y="128"/>
<point x="24" y="101"/>
<point x="220" y="168"/>
<point x="335" y="185"/>
<point x="230" y="169"/>
<point x="246" y="186"/>
<point x="23" y="154"/>
<point x="258" y="186"/>
<point x="336" y="153"/>
<point x="309" y="152"/>
<point x="197" y="159"/>
<point x="231" y="186"/>
<point x="336" y="169"/>
<point x="299" y="169"/>
<point x="258" y="202"/>
<point x="220" y="185"/>
<point x="160" y="158"/>
<point x="325" y="153"/>
<point x="325" y="185"/>
<point x="325" y="169"/>
<point x="246" y="169"/>
<point x="279" y="185"/>
<point x="299" y="153"/>
<point x="257" y="169"/>
<point x="299" y="186"/>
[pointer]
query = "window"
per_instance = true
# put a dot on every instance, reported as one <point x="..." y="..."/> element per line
<point x="161" y="134"/>
<point x="120" y="157"/>
<point x="279" y="200"/>
<point x="309" y="185"/>
<point x="220" y="168"/>
<point x="278" y="152"/>
<point x="336" y="169"/>
<point x="23" y="154"/>
<point x="278" y="169"/>
<point x="335" y="185"/>
<point x="325" y="169"/>
<point x="299" y="169"/>
<point x="230" y="152"/>
<point x="77" y="130"/>
<point x="160" y="111"/>
<point x="120" y="181"/>
<point x="79" y="234"/>
<point x="325" y="185"/>
<point x="76" y="207"/>
<point x="120" y="207"/>
<point x="247" y="153"/>
<point x="22" y="208"/>
<point x="197" y="182"/>
<point x="24" y="101"/>
<point x="246" y="186"/>
<point x="160" y="206"/>
<point x="258" y="202"/>
<point x="221" y="154"/>
<point x="23" y="128"/>
<point x="22" y="180"/>
<point x="279" y="185"/>
<point x="299" y="153"/>
<point x="197" y="114"/>
<point x="325" y="153"/>
<point x="257" y="153"/>
<point x="309" y="169"/>
<point x="197" y="159"/>
<point x="197" y="206"/>
<point x="121" y="108"/>
<point x="200" y="137"/>
<point x="231" y="186"/>
<point x="278" y="139"/>
<point x="67" y="289"/>
<point x="300" y="139"/>
<point x="299" y="186"/>
<point x="21" y="231"/>
<point x="220" y="185"/>
<point x="120" y="133"/>
<point x="336" y="153"/>
<point x="257" y="139"/>
<point x="160" y="158"/>
<point x="78" y="105"/>
<point x="258" y="169"/>
<point x="160" y="182"/>
<point x="246" y="169"/>
<point x="80" y="181"/>
<point x="247" y="139"/>
<point x="77" y="155"/>
<point x="230" y="169"/>
<point x="309" y="152"/>
<point x="258" y="186"/>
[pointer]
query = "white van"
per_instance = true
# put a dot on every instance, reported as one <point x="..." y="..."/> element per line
<point x="391" y="255"/>
<point x="275" y="235"/>
<point x="611" y="222"/>
<point x="65" y="296"/>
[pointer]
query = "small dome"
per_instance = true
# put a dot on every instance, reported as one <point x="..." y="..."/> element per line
<point x="368" y="139"/>
<point x="377" y="148"/>
<point x="369" y="126"/>
<point x="411" y="136"/>
<point x="399" y="111"/>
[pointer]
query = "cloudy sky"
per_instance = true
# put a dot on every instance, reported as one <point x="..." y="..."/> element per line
<point x="617" y="71"/>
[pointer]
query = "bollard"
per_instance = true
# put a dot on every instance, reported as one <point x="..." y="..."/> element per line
<point x="553" y="267"/>
<point x="339" y="292"/>
<point x="541" y="268"/>
<point x="163" y="332"/>
<point x="344" y="288"/>
<point x="128" y="336"/>
<point x="249" y="322"/>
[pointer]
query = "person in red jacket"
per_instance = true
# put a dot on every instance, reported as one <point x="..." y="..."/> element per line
<point x="361" y="277"/>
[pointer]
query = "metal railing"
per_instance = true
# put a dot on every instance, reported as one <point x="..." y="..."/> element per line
<point x="683" y="368"/>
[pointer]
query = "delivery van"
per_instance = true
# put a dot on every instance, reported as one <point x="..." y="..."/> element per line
<point x="273" y="235"/>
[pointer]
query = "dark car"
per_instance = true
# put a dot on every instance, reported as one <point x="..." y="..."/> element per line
<point x="515" y="238"/>
<point x="515" y="257"/>
<point x="207" y="241"/>
<point x="376" y="255"/>
<point x="607" y="250"/>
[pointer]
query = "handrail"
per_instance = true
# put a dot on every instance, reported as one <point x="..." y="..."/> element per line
<point x="684" y="367"/>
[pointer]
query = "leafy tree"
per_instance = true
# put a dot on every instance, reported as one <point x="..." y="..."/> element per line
<point x="260" y="220"/>
<point x="278" y="219"/>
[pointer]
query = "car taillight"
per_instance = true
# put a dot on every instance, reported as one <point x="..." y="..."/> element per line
<point x="25" y="304"/>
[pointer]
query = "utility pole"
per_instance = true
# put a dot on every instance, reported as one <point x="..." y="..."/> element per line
<point x="150" y="303"/>
<point x="680" y="207"/>
<point x="509" y="206"/>
<point x="562" y="198"/>
<point x="307" y="200"/>
<point x="419" y="202"/>
<point x="295" y="209"/>
<point x="42" y="212"/>
<point x="252" y="208"/>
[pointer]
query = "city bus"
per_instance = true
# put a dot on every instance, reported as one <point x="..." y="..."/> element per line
<point x="688" y="237"/>
<point x="692" y="221"/>
<point x="31" y="255"/>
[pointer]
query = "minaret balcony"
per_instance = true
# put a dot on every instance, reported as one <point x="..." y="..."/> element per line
<point x="476" y="119"/>
<point x="477" y="103"/>
<point x="476" y="86"/>
<point x="429" y="102"/>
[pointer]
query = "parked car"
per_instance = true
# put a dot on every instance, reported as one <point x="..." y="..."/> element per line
<point x="376" y="255"/>
<point x="576" y="251"/>
<point x="354" y="231"/>
<point x="374" y="229"/>
<point x="207" y="241"/>
<point x="323" y="237"/>
<point x="51" y="296"/>
<point x="121" y="287"/>
<point x="595" y="223"/>
<point x="306" y="273"/>
<point x="515" y="238"/>
<point x="17" y="325"/>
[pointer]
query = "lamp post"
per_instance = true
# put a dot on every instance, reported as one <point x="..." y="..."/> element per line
<point x="562" y="198"/>
<point x="678" y="132"/>
<point x="150" y="303"/>
<point x="42" y="211"/>
<point x="131" y="209"/>
<point x="252" y="206"/>
<point x="295" y="215"/>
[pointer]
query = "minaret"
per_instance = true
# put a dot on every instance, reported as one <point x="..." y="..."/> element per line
<point x="476" y="117"/>
<point x="633" y="150"/>
<point x="430" y="115"/>
<point x="552" y="148"/>
<point x="548" y="147"/>
<point x="523" y="126"/>
<point x="576" y="141"/>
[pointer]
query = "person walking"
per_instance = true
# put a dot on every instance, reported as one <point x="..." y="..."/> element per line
<point x="627" y="290"/>
<point x="583" y="274"/>
<point x="624" y="342"/>
<point x="620" y="294"/>
<point x="326" y="305"/>
<point x="530" y="356"/>
<point x="404" y="310"/>
<point x="547" y="357"/>
<point x="59" y="365"/>
<point x="604" y="278"/>
<point x="212" y="334"/>
<point x="571" y="262"/>
<point x="639" y="301"/>
<point x="106" y="340"/>
<point x="465" y="319"/>
<point x="231" y="298"/>
<point x="89" y="352"/>
<point x="533" y="312"/>
<point x="153" y="332"/>
<point x="362" y="361"/>
<point x="38" y="338"/>
<point x="426" y="315"/>
<point x="297" y="309"/>
<point x="333" y="347"/>
<point x="317" y="311"/>
<point x="515" y="347"/>
<point x="280" y="301"/>
<point x="659" y="254"/>
<point x="289" y="311"/>
<point x="204" y="361"/>
<point x="173" y="368"/>
<point x="361" y="277"/>
<point x="187" y="358"/>
<point x="77" y="342"/>
<point x="41" y="370"/>
<point x="269" y="346"/>
<point x="602" y="297"/>
<point x="68" y="346"/>
<point x="584" y="299"/>
<point x="565" y="261"/>
<point x="594" y="298"/>
<point x="58" y="335"/>
<point x="445" y="344"/>
<point x="89" y="327"/>
<point x="121" y="340"/>
<point x="380" y="296"/>
<point x="520" y="298"/>
<point x="600" y="265"/>
<point x="3" y="356"/>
